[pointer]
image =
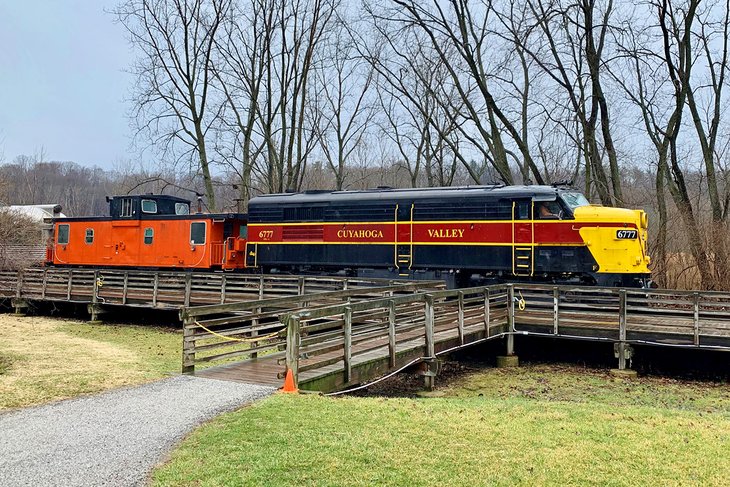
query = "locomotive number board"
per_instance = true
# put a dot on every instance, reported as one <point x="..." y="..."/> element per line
<point x="626" y="234"/>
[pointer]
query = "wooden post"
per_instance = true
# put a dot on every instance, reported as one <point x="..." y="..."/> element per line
<point x="300" y="287"/>
<point x="511" y="319"/>
<point x="622" y="329"/>
<point x="155" y="288"/>
<point x="391" y="332"/>
<point x="510" y="307"/>
<point x="18" y="303"/>
<point x="348" y="344"/>
<point x="430" y="375"/>
<point x="188" y="354"/>
<point x="292" y="347"/>
<point x="261" y="287"/>
<point x="556" y="304"/>
<point x="345" y="284"/>
<point x="223" y="289"/>
<point x="429" y="318"/>
<point x="126" y="287"/>
<point x="696" y="298"/>
<point x="69" y="284"/>
<point x="45" y="283"/>
<point x="94" y="298"/>
<point x="487" y="318"/>
<point x="460" y="321"/>
<point x="19" y="285"/>
<point x="254" y="333"/>
<point x="188" y="288"/>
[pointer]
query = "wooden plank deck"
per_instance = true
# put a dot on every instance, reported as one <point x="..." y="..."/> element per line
<point x="336" y="346"/>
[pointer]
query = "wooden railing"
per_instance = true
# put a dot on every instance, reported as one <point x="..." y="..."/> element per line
<point x="351" y="335"/>
<point x="391" y="330"/>
<point x="221" y="332"/>
<point x="160" y="289"/>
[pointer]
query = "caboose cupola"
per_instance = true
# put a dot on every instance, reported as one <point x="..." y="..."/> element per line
<point x="140" y="207"/>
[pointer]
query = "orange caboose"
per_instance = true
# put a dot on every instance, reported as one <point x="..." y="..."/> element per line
<point x="151" y="231"/>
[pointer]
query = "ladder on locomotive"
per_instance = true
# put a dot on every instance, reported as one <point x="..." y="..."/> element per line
<point x="404" y="250"/>
<point x="523" y="258"/>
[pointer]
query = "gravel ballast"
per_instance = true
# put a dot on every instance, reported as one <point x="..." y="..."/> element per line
<point x="114" y="438"/>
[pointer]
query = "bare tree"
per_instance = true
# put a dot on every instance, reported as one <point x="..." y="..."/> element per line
<point x="564" y="40"/>
<point x="466" y="28"/>
<point x="344" y="80"/>
<point x="240" y="70"/>
<point x="286" y="130"/>
<point x="176" y="39"/>
<point x="660" y="61"/>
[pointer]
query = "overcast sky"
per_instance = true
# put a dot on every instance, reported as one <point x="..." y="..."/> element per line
<point x="63" y="81"/>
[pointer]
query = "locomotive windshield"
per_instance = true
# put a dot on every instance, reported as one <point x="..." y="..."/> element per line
<point x="574" y="200"/>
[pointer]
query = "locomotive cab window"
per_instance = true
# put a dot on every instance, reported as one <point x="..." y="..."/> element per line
<point x="574" y="200"/>
<point x="149" y="206"/>
<point x="522" y="210"/>
<point x="89" y="235"/>
<point x="182" y="209"/>
<point x="149" y="234"/>
<point x="63" y="231"/>
<point x="548" y="210"/>
<point x="197" y="233"/>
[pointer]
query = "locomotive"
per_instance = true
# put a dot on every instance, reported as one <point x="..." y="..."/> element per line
<point x="460" y="234"/>
<point x="463" y="235"/>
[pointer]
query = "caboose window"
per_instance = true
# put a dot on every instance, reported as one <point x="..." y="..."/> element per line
<point x="149" y="206"/>
<point x="148" y="236"/>
<point x="63" y="234"/>
<point x="126" y="209"/>
<point x="89" y="235"/>
<point x="197" y="233"/>
<point x="182" y="209"/>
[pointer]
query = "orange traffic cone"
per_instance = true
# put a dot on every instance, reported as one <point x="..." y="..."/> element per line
<point x="289" y="386"/>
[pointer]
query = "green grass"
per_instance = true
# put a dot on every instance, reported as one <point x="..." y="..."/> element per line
<point x="5" y="363"/>
<point x="529" y="426"/>
<point x="45" y="359"/>
<point x="158" y="349"/>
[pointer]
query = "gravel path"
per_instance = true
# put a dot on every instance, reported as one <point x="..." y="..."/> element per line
<point x="114" y="438"/>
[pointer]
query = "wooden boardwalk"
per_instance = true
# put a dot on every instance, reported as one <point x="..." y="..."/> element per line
<point x="158" y="289"/>
<point x="332" y="347"/>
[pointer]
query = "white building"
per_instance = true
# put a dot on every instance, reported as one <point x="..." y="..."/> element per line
<point x="35" y="253"/>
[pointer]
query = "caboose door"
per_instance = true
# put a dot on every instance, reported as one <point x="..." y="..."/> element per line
<point x="523" y="238"/>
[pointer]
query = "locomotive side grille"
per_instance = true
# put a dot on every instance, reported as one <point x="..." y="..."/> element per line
<point x="362" y="212"/>
<point x="261" y="214"/>
<point x="303" y="233"/>
<point x="490" y="210"/>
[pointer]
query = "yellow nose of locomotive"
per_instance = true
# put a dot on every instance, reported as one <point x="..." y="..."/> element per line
<point x="615" y="237"/>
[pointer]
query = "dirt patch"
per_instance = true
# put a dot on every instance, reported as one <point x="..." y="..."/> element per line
<point x="410" y="384"/>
